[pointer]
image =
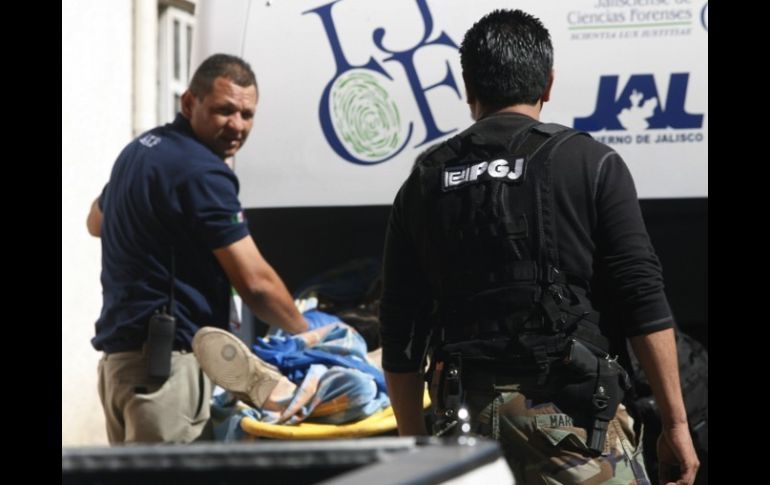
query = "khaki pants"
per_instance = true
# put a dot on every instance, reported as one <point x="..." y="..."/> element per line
<point x="139" y="410"/>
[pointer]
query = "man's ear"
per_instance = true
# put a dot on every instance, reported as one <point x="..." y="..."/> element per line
<point x="547" y="92"/>
<point x="188" y="99"/>
<point x="469" y="94"/>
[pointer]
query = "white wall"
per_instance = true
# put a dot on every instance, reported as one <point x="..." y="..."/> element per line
<point x="96" y="124"/>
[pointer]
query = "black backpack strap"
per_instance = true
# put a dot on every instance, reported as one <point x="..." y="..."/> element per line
<point x="540" y="144"/>
<point x="548" y="256"/>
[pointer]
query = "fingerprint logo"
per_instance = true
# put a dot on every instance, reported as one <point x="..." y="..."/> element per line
<point x="364" y="116"/>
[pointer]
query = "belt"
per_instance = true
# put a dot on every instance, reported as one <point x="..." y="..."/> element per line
<point x="488" y="375"/>
<point x="475" y="330"/>
<point x="178" y="347"/>
<point x="487" y="382"/>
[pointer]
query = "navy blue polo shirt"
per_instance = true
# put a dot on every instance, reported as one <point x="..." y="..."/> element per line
<point x="167" y="194"/>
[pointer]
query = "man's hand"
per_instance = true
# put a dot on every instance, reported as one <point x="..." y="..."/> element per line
<point x="657" y="354"/>
<point x="677" y="461"/>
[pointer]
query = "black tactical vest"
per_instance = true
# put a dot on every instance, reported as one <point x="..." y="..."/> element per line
<point x="491" y="224"/>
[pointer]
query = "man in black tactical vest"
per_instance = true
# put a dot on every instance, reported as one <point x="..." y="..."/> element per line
<point x="493" y="246"/>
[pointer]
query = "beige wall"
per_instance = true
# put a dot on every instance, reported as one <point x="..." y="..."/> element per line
<point x="96" y="124"/>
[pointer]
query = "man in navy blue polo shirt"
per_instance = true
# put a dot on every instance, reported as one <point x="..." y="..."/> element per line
<point x="170" y="217"/>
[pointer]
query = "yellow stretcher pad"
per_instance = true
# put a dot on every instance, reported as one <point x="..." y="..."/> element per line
<point x="378" y="423"/>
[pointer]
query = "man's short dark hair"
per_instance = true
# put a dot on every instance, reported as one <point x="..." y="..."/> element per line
<point x="221" y="65"/>
<point x="507" y="58"/>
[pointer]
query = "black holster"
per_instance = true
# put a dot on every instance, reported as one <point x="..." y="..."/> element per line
<point x="595" y="385"/>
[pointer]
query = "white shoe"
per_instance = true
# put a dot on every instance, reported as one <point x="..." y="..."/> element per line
<point x="230" y="364"/>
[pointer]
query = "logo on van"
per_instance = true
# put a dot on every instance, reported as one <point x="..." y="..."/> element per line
<point x="358" y="116"/>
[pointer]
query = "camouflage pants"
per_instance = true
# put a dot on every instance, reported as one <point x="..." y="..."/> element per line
<point x="543" y="445"/>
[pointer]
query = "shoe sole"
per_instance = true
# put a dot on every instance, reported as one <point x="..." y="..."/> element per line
<point x="231" y="364"/>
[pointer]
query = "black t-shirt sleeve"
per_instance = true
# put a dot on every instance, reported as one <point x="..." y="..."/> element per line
<point x="210" y="207"/>
<point x="626" y="257"/>
<point x="405" y="288"/>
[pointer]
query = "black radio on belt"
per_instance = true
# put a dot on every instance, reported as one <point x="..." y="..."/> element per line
<point x="160" y="343"/>
<point x="161" y="330"/>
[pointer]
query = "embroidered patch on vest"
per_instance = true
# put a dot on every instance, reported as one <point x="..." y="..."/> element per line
<point x="509" y="170"/>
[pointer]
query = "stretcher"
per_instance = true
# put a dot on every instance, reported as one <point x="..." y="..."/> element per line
<point x="379" y="423"/>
